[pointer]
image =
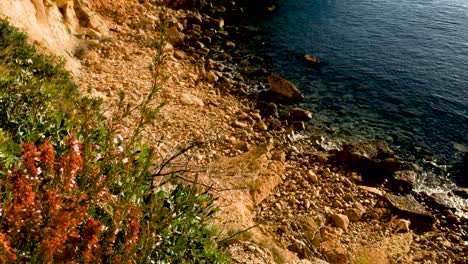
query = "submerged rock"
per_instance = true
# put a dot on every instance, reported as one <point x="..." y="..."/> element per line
<point x="283" y="89"/>
<point x="311" y="58"/>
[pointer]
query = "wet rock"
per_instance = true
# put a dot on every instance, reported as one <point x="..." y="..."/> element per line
<point x="190" y="99"/>
<point x="298" y="125"/>
<point x="217" y="23"/>
<point x="461" y="192"/>
<point x="283" y="89"/>
<point x="230" y="44"/>
<point x="374" y="160"/>
<point x="299" y="114"/>
<point x="311" y="58"/>
<point x="403" y="181"/>
<point x="408" y="207"/>
<point x="268" y="109"/>
<point x="437" y="201"/>
<point x="340" y="221"/>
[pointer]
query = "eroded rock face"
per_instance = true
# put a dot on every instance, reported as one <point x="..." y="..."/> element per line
<point x="283" y="89"/>
<point x="54" y="25"/>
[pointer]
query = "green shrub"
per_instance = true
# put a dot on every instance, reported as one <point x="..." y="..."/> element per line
<point x="77" y="190"/>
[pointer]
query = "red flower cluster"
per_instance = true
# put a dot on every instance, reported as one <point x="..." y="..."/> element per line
<point x="46" y="210"/>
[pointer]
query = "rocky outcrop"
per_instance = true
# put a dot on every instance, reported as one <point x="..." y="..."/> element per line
<point x="407" y="206"/>
<point x="283" y="90"/>
<point x="403" y="181"/>
<point x="375" y="160"/>
<point x="299" y="114"/>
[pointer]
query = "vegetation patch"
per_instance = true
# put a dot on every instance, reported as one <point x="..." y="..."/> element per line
<point x="77" y="188"/>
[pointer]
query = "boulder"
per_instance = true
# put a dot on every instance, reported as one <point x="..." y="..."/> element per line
<point x="299" y="114"/>
<point x="354" y="214"/>
<point x="190" y="99"/>
<point x="437" y="201"/>
<point x="408" y="207"/>
<point x="334" y="252"/>
<point x="283" y="89"/>
<point x="340" y="221"/>
<point x="403" y="181"/>
<point x="373" y="159"/>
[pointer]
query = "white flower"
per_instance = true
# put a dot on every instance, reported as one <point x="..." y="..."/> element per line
<point x="125" y="160"/>
<point x="76" y="148"/>
<point x="39" y="170"/>
<point x="120" y="149"/>
<point x="98" y="156"/>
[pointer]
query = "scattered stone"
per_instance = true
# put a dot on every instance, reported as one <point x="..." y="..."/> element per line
<point x="190" y="99"/>
<point x="217" y="23"/>
<point x="340" y="221"/>
<point x="354" y="214"/>
<point x="402" y="225"/>
<point x="312" y="176"/>
<point x="102" y="68"/>
<point x="230" y="44"/>
<point x="178" y="54"/>
<point x="278" y="155"/>
<point x="262" y="126"/>
<point x="211" y="76"/>
<point x="371" y="190"/>
<point x="374" y="159"/>
<point x="284" y="89"/>
<point x="299" y="114"/>
<point x="239" y="124"/>
<point x="334" y="252"/>
<point x="175" y="37"/>
<point x="408" y="207"/>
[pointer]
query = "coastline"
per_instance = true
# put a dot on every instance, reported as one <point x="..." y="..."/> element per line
<point x="289" y="200"/>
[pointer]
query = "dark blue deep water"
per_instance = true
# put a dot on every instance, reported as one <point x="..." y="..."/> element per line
<point x="392" y="70"/>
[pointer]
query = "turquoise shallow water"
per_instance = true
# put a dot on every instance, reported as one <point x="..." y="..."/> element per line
<point x="395" y="70"/>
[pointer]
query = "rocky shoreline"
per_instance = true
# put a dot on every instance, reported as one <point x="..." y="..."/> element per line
<point x="284" y="198"/>
<point x="331" y="204"/>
